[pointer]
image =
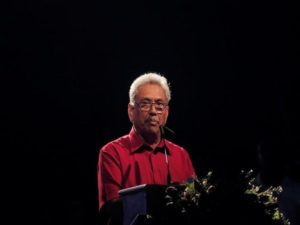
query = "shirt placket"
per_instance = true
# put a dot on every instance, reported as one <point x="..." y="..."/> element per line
<point x="150" y="156"/>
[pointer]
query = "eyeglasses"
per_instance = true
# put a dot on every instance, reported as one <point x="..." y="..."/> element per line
<point x="145" y="106"/>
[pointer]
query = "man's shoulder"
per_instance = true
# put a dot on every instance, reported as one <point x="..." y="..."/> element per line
<point x="122" y="141"/>
<point x="173" y="146"/>
<point x="177" y="150"/>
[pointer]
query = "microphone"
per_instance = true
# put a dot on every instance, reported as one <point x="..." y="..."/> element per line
<point x="163" y="135"/>
<point x="162" y="132"/>
<point x="169" y="129"/>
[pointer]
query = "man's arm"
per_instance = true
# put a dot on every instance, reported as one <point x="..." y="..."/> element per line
<point x="109" y="175"/>
<point x="109" y="183"/>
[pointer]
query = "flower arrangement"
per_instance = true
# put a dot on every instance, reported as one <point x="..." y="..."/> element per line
<point x="235" y="201"/>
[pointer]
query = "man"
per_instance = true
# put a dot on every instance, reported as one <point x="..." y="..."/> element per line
<point x="143" y="156"/>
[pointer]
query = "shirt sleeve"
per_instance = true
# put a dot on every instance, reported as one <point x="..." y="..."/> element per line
<point x="189" y="165"/>
<point x="108" y="174"/>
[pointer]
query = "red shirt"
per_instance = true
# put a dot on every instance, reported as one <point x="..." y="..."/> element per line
<point x="128" y="161"/>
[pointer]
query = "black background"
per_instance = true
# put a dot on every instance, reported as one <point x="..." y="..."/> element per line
<point x="67" y="67"/>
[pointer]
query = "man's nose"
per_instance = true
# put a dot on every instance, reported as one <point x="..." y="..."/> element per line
<point x="153" y="107"/>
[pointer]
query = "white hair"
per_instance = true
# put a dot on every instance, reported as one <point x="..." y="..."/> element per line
<point x="149" y="78"/>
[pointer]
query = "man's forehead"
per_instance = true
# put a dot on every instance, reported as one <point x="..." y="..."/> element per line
<point x="151" y="99"/>
<point x="151" y="89"/>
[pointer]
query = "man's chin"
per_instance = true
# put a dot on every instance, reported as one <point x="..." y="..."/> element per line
<point x="153" y="130"/>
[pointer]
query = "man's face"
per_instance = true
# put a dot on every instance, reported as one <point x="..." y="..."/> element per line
<point x="150" y="110"/>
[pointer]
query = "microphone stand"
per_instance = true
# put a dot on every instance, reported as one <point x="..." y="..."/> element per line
<point x="162" y="133"/>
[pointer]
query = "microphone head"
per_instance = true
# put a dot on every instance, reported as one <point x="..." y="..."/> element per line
<point x="169" y="130"/>
<point x="163" y="133"/>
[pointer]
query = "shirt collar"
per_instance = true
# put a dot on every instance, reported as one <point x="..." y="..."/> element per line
<point x="137" y="143"/>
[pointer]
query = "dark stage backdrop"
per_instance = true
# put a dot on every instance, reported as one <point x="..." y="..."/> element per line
<point x="67" y="67"/>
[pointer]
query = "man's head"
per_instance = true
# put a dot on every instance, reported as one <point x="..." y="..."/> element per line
<point x="148" y="109"/>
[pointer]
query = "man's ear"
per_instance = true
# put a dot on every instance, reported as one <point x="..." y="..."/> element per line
<point x="130" y="109"/>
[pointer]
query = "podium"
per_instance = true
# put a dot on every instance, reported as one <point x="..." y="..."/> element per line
<point x="141" y="201"/>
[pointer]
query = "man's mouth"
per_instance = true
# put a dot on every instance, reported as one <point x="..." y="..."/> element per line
<point x="153" y="122"/>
